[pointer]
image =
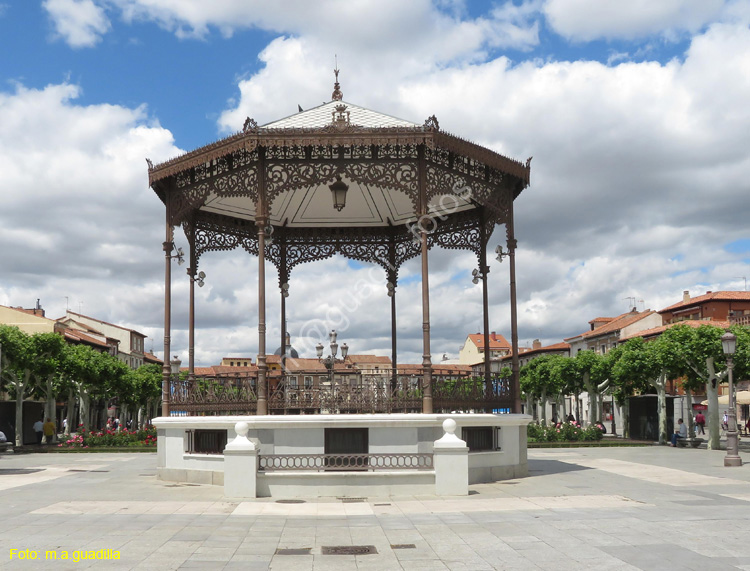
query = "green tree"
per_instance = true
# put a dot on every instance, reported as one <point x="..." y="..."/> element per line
<point x="639" y="367"/>
<point x="146" y="381"/>
<point x="49" y="352"/>
<point x="594" y="377"/>
<point x="538" y="379"/>
<point x="17" y="370"/>
<point x="701" y="359"/>
<point x="566" y="369"/>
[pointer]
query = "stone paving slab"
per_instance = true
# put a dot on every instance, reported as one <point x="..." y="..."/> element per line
<point x="592" y="508"/>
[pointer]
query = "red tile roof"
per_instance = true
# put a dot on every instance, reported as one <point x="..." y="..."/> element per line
<point x="710" y="296"/>
<point x="104" y="322"/>
<point x="369" y="359"/>
<point x="615" y="324"/>
<point x="498" y="343"/>
<point x="80" y="337"/>
<point x="555" y="347"/>
<point x="695" y="323"/>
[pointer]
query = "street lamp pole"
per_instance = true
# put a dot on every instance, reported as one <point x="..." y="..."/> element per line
<point x="729" y="345"/>
<point x="330" y="361"/>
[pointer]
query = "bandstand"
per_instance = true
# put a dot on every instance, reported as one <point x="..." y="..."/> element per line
<point x="337" y="179"/>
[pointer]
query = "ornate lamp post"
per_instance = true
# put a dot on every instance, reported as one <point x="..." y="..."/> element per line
<point x="729" y="345"/>
<point x="330" y="361"/>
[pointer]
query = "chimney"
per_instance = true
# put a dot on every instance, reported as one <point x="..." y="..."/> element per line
<point x="493" y="336"/>
<point x="685" y="296"/>
<point x="536" y="344"/>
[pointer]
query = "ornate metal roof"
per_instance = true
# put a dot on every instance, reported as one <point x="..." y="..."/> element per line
<point x="323" y="115"/>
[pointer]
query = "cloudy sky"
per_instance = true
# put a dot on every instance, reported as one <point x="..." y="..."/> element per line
<point x="636" y="113"/>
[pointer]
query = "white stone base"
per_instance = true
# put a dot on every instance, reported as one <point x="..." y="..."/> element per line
<point x="304" y="434"/>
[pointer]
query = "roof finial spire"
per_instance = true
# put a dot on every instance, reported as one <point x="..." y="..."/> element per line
<point x="337" y="95"/>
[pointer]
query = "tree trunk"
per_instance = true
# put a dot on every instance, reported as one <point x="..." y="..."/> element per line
<point x="578" y="406"/>
<point x="625" y="418"/>
<point x="50" y="407"/>
<point x="530" y="405"/>
<point x="691" y="424"/>
<point x="19" y="417"/>
<point x="591" y="398"/>
<point x="543" y="400"/>
<point x="83" y="406"/>
<point x="660" y="384"/>
<point x="712" y="394"/>
<point x="71" y="411"/>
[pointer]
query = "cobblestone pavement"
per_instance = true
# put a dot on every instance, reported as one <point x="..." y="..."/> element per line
<point x="579" y="508"/>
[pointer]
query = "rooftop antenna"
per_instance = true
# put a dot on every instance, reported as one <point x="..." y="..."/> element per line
<point x="631" y="301"/>
<point x="66" y="304"/>
<point x="743" y="278"/>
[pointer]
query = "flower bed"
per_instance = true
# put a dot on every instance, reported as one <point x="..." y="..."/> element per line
<point x="112" y="438"/>
<point x="565" y="432"/>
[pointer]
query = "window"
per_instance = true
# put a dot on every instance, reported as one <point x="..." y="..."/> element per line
<point x="308" y="382"/>
<point x="206" y="441"/>
<point x="292" y="382"/>
<point x="479" y="438"/>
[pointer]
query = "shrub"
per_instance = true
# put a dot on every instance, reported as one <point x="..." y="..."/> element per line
<point x="107" y="437"/>
<point x="565" y="432"/>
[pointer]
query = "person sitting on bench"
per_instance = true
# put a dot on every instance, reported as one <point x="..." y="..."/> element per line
<point x="680" y="432"/>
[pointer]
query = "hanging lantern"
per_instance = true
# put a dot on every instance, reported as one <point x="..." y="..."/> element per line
<point x="338" y="191"/>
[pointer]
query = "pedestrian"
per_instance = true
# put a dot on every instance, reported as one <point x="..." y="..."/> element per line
<point x="679" y="432"/>
<point x="725" y="421"/>
<point x="39" y="430"/>
<point x="700" y="422"/>
<point x="65" y="425"/>
<point x="49" y="431"/>
<point x="3" y="438"/>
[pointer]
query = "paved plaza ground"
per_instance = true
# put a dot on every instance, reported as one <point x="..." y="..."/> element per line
<point x="580" y="508"/>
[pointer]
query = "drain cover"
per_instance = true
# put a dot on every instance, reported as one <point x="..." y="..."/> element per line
<point x="297" y="551"/>
<point x="404" y="546"/>
<point x="349" y="550"/>
<point x="382" y="504"/>
<point x="352" y="500"/>
<point x="9" y="471"/>
<point x="290" y="501"/>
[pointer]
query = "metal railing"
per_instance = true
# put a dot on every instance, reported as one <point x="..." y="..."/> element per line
<point x="356" y="394"/>
<point x="344" y="462"/>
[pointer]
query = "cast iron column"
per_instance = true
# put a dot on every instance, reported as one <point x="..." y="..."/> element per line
<point x="261" y="220"/>
<point x="168" y="245"/>
<point x="513" y="312"/>
<point x="485" y="269"/>
<point x="421" y="221"/>
<point x="191" y="318"/>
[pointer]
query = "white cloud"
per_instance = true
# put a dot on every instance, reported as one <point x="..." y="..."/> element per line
<point x="80" y="23"/>
<point x="587" y="20"/>
<point x="77" y="215"/>
<point x="639" y="178"/>
<point x="634" y="168"/>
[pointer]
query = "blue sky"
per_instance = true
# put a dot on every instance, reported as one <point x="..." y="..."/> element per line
<point x="636" y="115"/>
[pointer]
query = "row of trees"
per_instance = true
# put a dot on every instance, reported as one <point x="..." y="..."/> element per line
<point x="44" y="367"/>
<point x="693" y="356"/>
